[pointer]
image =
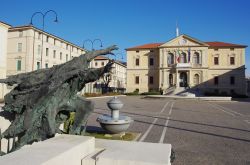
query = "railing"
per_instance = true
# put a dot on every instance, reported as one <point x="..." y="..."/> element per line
<point x="183" y="65"/>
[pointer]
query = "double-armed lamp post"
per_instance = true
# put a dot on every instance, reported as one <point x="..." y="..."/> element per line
<point x="43" y="25"/>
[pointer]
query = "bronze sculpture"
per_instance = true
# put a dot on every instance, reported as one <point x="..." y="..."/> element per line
<point x="43" y="99"/>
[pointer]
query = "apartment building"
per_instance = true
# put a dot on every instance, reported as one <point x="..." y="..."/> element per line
<point x="30" y="49"/>
<point x="3" y="55"/>
<point x="27" y="48"/>
<point x="117" y="76"/>
<point x="185" y="62"/>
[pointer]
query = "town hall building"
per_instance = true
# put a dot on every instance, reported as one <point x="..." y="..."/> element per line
<point x="187" y="63"/>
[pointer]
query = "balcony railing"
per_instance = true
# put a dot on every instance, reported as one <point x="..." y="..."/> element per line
<point x="183" y="65"/>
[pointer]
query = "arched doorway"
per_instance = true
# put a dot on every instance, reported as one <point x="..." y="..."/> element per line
<point x="183" y="79"/>
<point x="170" y="78"/>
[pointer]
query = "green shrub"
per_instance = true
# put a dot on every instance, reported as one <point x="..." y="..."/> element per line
<point x="68" y="123"/>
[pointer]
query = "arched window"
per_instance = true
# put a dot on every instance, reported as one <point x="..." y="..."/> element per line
<point x="183" y="58"/>
<point x="196" y="79"/>
<point x="196" y="58"/>
<point x="170" y="58"/>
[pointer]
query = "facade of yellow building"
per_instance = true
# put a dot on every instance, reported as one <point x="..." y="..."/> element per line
<point x="187" y="63"/>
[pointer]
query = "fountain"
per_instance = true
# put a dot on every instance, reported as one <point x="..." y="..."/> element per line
<point x="114" y="123"/>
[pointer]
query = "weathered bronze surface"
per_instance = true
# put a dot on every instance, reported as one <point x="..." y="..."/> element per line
<point x="41" y="100"/>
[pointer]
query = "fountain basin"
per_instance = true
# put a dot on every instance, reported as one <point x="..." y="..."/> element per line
<point x="114" y="125"/>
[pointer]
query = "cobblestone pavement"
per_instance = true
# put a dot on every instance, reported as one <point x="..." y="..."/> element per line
<point x="200" y="132"/>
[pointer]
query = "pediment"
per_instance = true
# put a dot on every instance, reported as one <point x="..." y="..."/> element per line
<point x="183" y="40"/>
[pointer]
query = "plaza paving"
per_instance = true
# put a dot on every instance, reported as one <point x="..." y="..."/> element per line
<point x="200" y="132"/>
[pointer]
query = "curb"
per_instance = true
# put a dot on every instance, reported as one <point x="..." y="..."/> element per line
<point x="192" y="98"/>
<point x="100" y="97"/>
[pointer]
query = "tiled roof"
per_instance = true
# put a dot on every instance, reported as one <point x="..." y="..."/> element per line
<point x="146" y="46"/>
<point x="101" y="58"/>
<point x="223" y="44"/>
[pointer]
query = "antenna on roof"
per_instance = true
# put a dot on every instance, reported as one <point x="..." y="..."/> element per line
<point x="177" y="29"/>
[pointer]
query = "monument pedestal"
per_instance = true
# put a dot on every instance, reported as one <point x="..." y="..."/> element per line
<point x="84" y="150"/>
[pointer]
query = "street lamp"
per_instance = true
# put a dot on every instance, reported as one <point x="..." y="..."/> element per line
<point x="92" y="46"/>
<point x="119" y="53"/>
<point x="43" y="26"/>
<point x="92" y="43"/>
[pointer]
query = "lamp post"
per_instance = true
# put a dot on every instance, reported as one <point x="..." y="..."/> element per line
<point x="92" y="43"/>
<point x="92" y="47"/>
<point x="43" y="26"/>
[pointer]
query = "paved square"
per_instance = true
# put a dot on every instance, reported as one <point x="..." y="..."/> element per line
<point x="200" y="132"/>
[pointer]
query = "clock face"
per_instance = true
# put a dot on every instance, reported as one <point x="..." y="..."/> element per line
<point x="182" y="41"/>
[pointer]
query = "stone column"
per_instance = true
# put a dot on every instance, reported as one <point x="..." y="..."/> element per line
<point x="177" y="79"/>
<point x="200" y="62"/>
<point x="189" y="79"/>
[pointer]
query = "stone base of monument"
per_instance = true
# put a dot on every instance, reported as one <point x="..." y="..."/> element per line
<point x="83" y="150"/>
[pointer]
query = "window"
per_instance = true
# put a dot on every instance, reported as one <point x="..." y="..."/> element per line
<point x="67" y="57"/>
<point x="151" y="61"/>
<point x="136" y="79"/>
<point x="46" y="65"/>
<point x="183" y="58"/>
<point x="137" y="51"/>
<point x="47" y="51"/>
<point x="232" y="80"/>
<point x="20" y="33"/>
<point x="39" y="36"/>
<point x="216" y="49"/>
<point x="47" y="38"/>
<point x="38" y="65"/>
<point x="151" y="80"/>
<point x="39" y="49"/>
<point x="54" y="54"/>
<point x="216" y="80"/>
<point x="151" y="51"/>
<point x="232" y="62"/>
<point x="170" y="58"/>
<point x="216" y="60"/>
<point x="19" y="47"/>
<point x="137" y="62"/>
<point x="232" y="49"/>
<point x="96" y="63"/>
<point x="196" y="58"/>
<point x="54" y="41"/>
<point x="67" y="46"/>
<point x="196" y="79"/>
<point x="19" y="65"/>
<point x="60" y="55"/>
<point x="102" y="63"/>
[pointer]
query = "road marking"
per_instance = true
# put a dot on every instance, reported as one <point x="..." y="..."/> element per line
<point x="247" y="121"/>
<point x="164" y="107"/>
<point x="217" y="107"/>
<point x="148" y="130"/>
<point x="152" y="124"/>
<point x="164" y="131"/>
<point x="170" y="111"/>
<point x="230" y="110"/>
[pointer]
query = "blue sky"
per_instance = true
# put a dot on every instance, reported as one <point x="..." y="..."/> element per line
<point x="128" y="23"/>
